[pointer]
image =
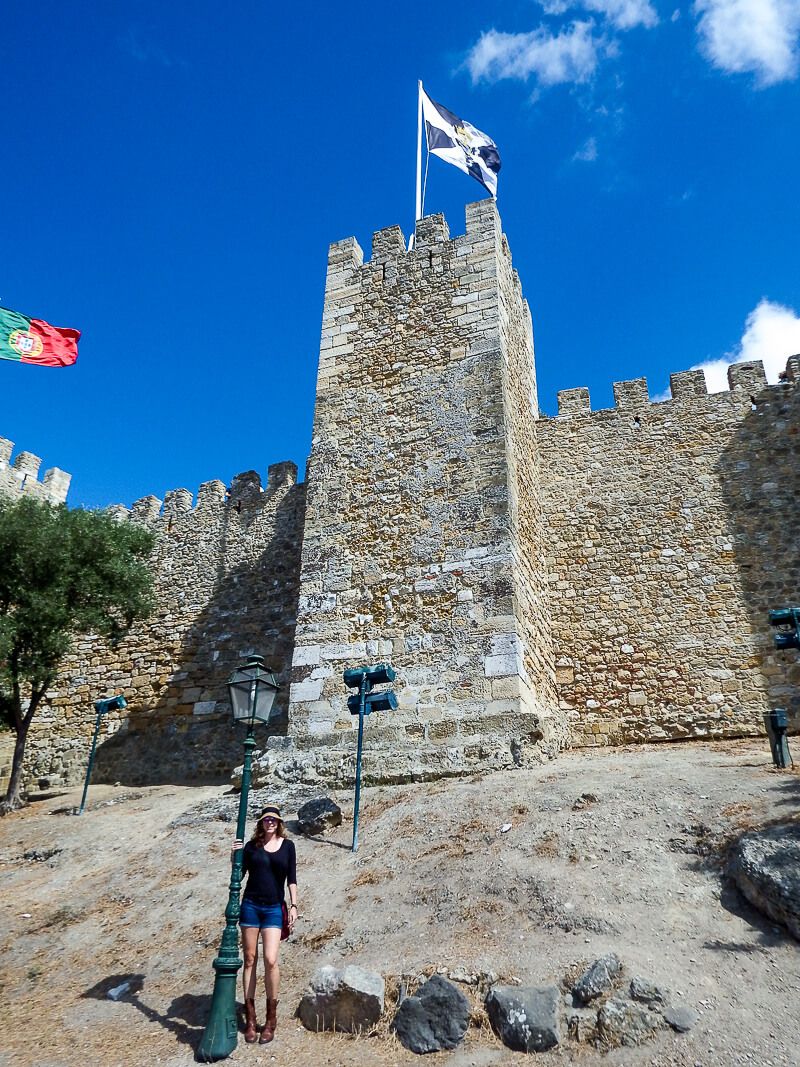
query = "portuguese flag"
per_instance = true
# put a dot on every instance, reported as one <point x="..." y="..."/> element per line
<point x="35" y="341"/>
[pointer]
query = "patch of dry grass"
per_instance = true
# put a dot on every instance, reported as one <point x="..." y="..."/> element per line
<point x="371" y="877"/>
<point x="316" y="940"/>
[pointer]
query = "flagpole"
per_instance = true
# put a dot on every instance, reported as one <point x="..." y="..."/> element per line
<point x="418" y="210"/>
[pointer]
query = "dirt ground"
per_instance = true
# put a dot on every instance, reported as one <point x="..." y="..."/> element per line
<point x="618" y="850"/>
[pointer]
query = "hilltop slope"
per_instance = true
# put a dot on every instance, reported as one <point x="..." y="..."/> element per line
<point x="607" y="851"/>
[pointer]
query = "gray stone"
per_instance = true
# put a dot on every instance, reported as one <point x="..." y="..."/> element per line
<point x="582" y="1024"/>
<point x="525" y="1019"/>
<point x="348" y="999"/>
<point x="680" y="1018"/>
<point x="318" y="815"/>
<point x="765" y="865"/>
<point x="624" y="1022"/>
<point x="434" y="1019"/>
<point x="598" y="979"/>
<point x="647" y="991"/>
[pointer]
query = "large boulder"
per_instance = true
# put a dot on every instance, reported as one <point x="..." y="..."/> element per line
<point x="435" y="1018"/>
<point x="765" y="865"/>
<point x="525" y="1019"/>
<point x="349" y="999"/>
<point x="318" y="815"/>
<point x="598" y="979"/>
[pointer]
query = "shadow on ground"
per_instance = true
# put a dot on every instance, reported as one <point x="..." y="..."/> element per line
<point x="186" y="1016"/>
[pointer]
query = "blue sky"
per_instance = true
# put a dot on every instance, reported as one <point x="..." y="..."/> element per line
<point x="174" y="173"/>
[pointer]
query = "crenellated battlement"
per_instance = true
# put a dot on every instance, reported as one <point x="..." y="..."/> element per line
<point x="245" y="495"/>
<point x="22" y="476"/>
<point x="748" y="379"/>
<point x="431" y="238"/>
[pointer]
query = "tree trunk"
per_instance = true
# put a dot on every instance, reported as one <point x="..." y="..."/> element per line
<point x="13" y="799"/>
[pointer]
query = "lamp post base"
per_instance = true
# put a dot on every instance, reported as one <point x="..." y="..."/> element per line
<point x="221" y="1034"/>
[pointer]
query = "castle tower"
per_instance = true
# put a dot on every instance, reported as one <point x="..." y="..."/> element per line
<point x="422" y="540"/>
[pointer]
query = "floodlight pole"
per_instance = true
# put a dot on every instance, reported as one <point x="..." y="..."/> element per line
<point x="363" y="689"/>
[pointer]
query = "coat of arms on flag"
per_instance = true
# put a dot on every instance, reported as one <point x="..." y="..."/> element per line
<point x="460" y="143"/>
<point x="29" y="340"/>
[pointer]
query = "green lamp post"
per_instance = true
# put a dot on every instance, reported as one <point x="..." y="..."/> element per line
<point x="252" y="690"/>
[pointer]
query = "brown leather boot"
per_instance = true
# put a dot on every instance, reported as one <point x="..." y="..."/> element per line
<point x="250" y="1025"/>
<point x="269" y="1027"/>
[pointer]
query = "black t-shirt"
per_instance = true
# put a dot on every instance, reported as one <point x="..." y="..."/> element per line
<point x="268" y="872"/>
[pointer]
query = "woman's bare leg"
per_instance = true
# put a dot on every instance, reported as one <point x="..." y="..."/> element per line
<point x="271" y="938"/>
<point x="250" y="953"/>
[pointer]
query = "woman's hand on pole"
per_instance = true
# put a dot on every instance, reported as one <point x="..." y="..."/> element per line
<point x="237" y="845"/>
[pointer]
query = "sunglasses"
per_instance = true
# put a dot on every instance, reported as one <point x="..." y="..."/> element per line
<point x="269" y="818"/>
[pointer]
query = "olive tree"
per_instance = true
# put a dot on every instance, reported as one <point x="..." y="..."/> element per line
<point x="63" y="572"/>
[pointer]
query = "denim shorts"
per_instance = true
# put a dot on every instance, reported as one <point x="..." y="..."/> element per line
<point x="260" y="916"/>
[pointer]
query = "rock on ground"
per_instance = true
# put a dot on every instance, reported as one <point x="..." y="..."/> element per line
<point x="318" y="815"/>
<point x="624" y="1022"/>
<point x="525" y="1019"/>
<point x="434" y="1019"/>
<point x="598" y="979"/>
<point x="765" y="865"/>
<point x="347" y="999"/>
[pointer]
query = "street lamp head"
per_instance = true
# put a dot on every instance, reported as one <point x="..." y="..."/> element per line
<point x="252" y="689"/>
<point x="117" y="703"/>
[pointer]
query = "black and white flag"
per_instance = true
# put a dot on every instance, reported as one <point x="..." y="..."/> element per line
<point x="459" y="143"/>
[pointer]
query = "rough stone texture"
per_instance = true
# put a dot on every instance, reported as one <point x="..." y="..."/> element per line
<point x="318" y="815"/>
<point x="434" y="1019"/>
<point x="680" y="1018"/>
<point x="600" y="577"/>
<point x="668" y="542"/>
<point x="22" y="476"/>
<point x="423" y="535"/>
<point x="526" y="1020"/>
<point x="645" y="990"/>
<point x="226" y="582"/>
<point x="625" y="1022"/>
<point x="349" y="999"/>
<point x="597" y="979"/>
<point x="765" y="865"/>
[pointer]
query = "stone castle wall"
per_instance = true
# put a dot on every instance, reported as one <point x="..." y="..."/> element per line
<point x="600" y="577"/>
<point x="226" y="571"/>
<point x="22" y="476"/>
<point x="671" y="533"/>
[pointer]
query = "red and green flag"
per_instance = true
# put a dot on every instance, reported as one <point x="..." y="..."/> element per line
<point x="36" y="341"/>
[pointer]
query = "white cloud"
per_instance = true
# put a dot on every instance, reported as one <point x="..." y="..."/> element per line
<point x="587" y="153"/>
<point x="569" y="56"/>
<point x="624" y="14"/>
<point x="751" y="37"/>
<point x="771" y="334"/>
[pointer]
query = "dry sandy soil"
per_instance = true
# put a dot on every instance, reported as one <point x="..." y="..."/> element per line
<point x="137" y="886"/>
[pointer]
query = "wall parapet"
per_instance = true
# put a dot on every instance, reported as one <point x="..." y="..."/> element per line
<point x="22" y="476"/>
<point x="747" y="377"/>
<point x="246" y="494"/>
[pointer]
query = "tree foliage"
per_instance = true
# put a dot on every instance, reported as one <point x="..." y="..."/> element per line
<point x="62" y="572"/>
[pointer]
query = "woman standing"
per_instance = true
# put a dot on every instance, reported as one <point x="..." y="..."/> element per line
<point x="270" y="863"/>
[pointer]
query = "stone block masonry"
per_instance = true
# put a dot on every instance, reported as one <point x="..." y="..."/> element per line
<point x="601" y="577"/>
<point x="423" y="541"/>
<point x="22" y="476"/>
<point x="671" y="532"/>
<point x="226" y="569"/>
